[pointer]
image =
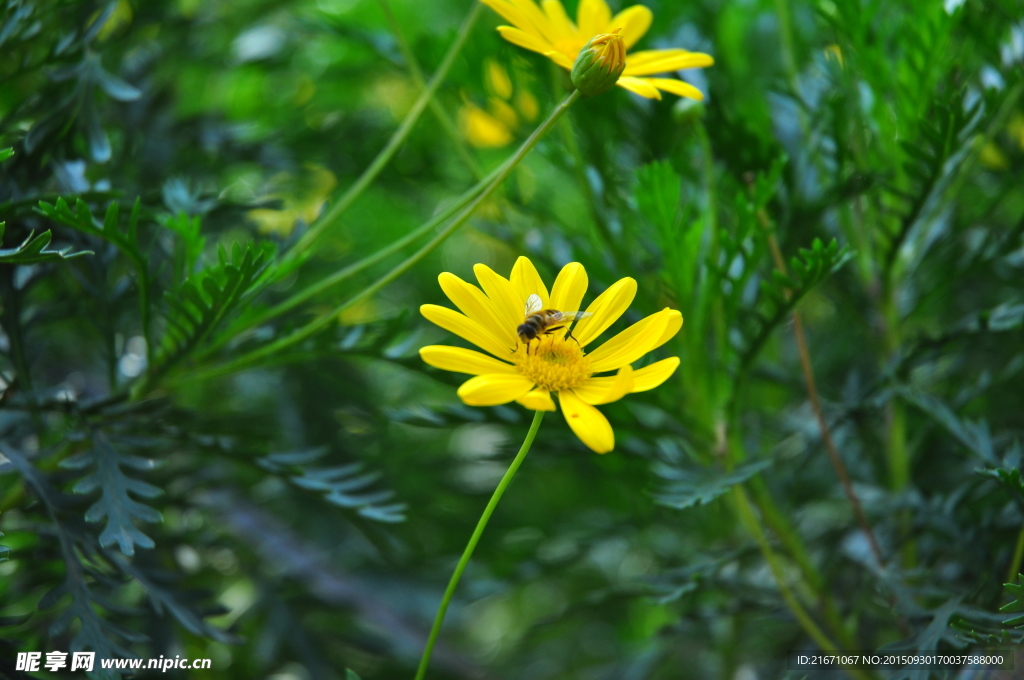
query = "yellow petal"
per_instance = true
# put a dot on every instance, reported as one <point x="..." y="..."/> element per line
<point x="631" y="344"/>
<point x="478" y="307"/>
<point x="605" y="390"/>
<point x="606" y="310"/>
<point x="461" y="360"/>
<point x="561" y="59"/>
<point x="527" y="281"/>
<point x="649" y="377"/>
<point x="510" y="13"/>
<point x="524" y="39"/>
<point x="639" y="86"/>
<point x="675" y="322"/>
<point x="502" y="294"/>
<point x="537" y="400"/>
<point x="527" y="17"/>
<point x="587" y="422"/>
<point x="481" y="129"/>
<point x="539" y="20"/>
<point x="561" y="24"/>
<point x="467" y="329"/>
<point x="570" y="286"/>
<point x="494" y="388"/>
<point x="592" y="17"/>
<point x="634" y="22"/>
<point x="498" y="79"/>
<point x="677" y="87"/>
<point x="671" y="63"/>
<point x="643" y="57"/>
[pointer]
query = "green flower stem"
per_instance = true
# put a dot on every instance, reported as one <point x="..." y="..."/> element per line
<point x="1018" y="557"/>
<point x="325" y="320"/>
<point x="453" y="583"/>
<point x="750" y="521"/>
<point x="790" y="539"/>
<point x="385" y="155"/>
<point x="435" y="107"/>
<point x="245" y="323"/>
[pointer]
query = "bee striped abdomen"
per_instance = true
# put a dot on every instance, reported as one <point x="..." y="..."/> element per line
<point x="539" y="323"/>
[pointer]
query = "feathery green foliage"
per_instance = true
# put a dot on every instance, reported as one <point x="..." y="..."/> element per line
<point x="217" y="439"/>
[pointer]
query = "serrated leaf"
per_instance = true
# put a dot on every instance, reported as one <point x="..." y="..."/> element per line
<point x="33" y="250"/>
<point x="195" y="316"/>
<point x="339" y="484"/>
<point x="115" y="505"/>
<point x="686" y="488"/>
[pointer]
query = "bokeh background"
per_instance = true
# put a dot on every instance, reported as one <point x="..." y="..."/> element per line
<point x="178" y="477"/>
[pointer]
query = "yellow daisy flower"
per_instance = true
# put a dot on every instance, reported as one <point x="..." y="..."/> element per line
<point x="548" y="30"/>
<point x="528" y="373"/>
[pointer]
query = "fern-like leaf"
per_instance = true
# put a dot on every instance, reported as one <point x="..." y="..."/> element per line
<point x="94" y="633"/>
<point x="115" y="505"/>
<point x="783" y="292"/>
<point x="346" y="486"/>
<point x="940" y="139"/>
<point x="205" y="299"/>
<point x="174" y="602"/>
<point x="685" y="488"/>
<point x="33" y="250"/>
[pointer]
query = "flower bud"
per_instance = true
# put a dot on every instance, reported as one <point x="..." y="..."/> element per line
<point x="599" y="64"/>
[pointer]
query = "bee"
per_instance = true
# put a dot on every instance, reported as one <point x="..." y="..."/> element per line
<point x="544" y="321"/>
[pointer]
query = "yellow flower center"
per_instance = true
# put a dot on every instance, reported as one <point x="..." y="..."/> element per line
<point x="554" y="363"/>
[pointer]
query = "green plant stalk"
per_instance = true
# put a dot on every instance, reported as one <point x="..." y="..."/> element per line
<point x="386" y="154"/>
<point x="897" y="452"/>
<point x="481" y="524"/>
<point x="326" y="319"/>
<point x="786" y="31"/>
<point x="1018" y="557"/>
<point x="435" y="107"/>
<point x="750" y="521"/>
<point x="791" y="541"/>
<point x="731" y="450"/>
<point x="899" y="457"/>
<point x="246" y="323"/>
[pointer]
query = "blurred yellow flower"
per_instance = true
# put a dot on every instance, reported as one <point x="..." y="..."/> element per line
<point x="553" y="362"/>
<point x="495" y="126"/>
<point x="550" y="31"/>
<point x="304" y="203"/>
<point x="481" y="129"/>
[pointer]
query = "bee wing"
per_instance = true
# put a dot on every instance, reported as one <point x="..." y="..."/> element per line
<point x="575" y="316"/>
<point x="533" y="305"/>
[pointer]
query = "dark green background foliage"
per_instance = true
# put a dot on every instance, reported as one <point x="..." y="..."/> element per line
<point x="191" y="468"/>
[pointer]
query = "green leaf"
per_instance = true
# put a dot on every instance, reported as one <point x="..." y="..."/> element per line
<point x="973" y="435"/>
<point x="351" y="674"/>
<point x="203" y="300"/>
<point x="115" y="505"/>
<point x="33" y="250"/>
<point x="6" y="153"/>
<point x="82" y="219"/>
<point x="176" y="602"/>
<point x="686" y="487"/>
<point x="658" y="194"/>
<point x="344" y="485"/>
<point x="943" y="631"/>
<point x="784" y="292"/>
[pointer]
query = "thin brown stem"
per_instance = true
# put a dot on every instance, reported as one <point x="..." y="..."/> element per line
<point x="812" y="393"/>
